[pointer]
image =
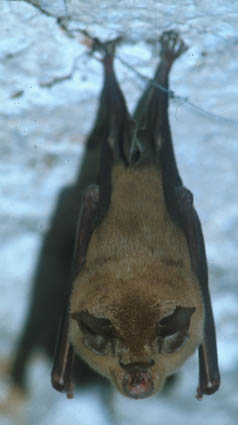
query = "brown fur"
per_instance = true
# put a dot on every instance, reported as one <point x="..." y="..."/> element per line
<point x="137" y="271"/>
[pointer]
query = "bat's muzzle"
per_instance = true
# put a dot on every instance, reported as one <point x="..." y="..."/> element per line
<point x="137" y="382"/>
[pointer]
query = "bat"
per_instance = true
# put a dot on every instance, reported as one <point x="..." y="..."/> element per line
<point x="139" y="305"/>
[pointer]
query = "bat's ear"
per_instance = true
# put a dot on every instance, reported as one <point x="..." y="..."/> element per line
<point x="179" y="319"/>
<point x="173" y="330"/>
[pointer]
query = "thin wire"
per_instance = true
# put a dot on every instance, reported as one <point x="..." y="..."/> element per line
<point x="183" y="100"/>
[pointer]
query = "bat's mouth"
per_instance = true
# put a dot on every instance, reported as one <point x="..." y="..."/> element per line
<point x="137" y="385"/>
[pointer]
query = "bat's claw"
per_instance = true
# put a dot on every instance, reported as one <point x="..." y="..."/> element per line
<point x="172" y="45"/>
<point x="106" y="48"/>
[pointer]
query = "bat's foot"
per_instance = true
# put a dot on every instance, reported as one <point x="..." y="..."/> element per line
<point x="172" y="46"/>
<point x="106" y="48"/>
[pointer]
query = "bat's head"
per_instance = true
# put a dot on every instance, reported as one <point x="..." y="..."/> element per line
<point x="136" y="332"/>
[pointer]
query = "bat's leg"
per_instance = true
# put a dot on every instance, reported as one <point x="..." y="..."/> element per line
<point x="152" y="113"/>
<point x="61" y="375"/>
<point x="152" y="109"/>
<point x="101" y="124"/>
<point x="172" y="47"/>
<point x="114" y="121"/>
<point x="112" y="113"/>
<point x="209" y="377"/>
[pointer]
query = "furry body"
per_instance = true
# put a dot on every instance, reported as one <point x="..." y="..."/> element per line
<point x="137" y="271"/>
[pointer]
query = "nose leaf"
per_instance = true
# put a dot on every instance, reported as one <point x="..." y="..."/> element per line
<point x="137" y="381"/>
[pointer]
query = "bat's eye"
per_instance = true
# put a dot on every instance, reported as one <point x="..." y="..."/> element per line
<point x="98" y="333"/>
<point x="172" y="330"/>
<point x="98" y="344"/>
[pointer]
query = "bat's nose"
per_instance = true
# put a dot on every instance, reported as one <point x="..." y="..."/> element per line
<point x="137" y="381"/>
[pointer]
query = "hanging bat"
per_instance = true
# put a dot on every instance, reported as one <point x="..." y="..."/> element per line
<point x="139" y="304"/>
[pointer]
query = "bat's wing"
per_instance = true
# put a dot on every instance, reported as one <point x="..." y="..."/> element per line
<point x="64" y="355"/>
<point x="209" y="377"/>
